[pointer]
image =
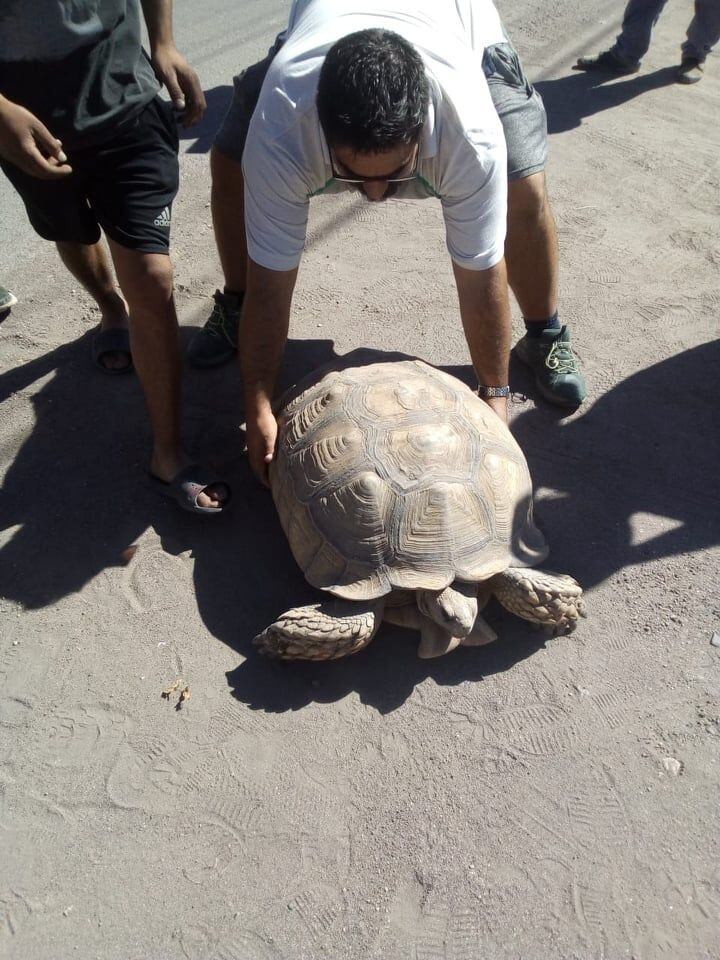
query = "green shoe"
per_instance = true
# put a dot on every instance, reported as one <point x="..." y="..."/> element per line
<point x="557" y="372"/>
<point x="7" y="300"/>
<point x="216" y="343"/>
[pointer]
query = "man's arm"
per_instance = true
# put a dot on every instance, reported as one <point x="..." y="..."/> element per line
<point x="263" y="335"/>
<point x="485" y="312"/>
<point x="170" y="65"/>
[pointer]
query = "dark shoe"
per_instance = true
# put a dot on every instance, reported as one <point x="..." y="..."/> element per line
<point x="7" y="300"/>
<point x="607" y="62"/>
<point x="689" y="71"/>
<point x="216" y="343"/>
<point x="557" y="372"/>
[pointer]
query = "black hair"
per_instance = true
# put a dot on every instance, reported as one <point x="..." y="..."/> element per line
<point x="372" y="92"/>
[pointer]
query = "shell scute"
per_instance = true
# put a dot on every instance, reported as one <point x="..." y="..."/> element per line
<point x="409" y="453"/>
<point x="386" y="398"/>
<point x="359" y="513"/>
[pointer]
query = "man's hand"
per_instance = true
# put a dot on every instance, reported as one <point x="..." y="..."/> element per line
<point x="263" y="335"/>
<point x="28" y="144"/>
<point x="261" y="437"/>
<point x="182" y="83"/>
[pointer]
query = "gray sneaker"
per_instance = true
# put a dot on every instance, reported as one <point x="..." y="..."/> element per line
<point x="7" y="300"/>
<point x="689" y="71"/>
<point x="607" y="62"/>
<point x="216" y="342"/>
<point x="557" y="371"/>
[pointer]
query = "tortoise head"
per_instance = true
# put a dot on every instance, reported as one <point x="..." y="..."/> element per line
<point x="455" y="608"/>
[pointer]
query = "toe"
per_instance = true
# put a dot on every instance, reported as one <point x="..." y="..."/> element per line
<point x="115" y="360"/>
<point x="214" y="496"/>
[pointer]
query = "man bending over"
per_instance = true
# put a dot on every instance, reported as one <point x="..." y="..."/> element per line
<point x="404" y="98"/>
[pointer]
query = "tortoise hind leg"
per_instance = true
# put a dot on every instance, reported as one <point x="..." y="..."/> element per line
<point x="551" y="599"/>
<point x="322" y="631"/>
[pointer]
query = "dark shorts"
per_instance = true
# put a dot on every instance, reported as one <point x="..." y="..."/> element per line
<point x="231" y="136"/>
<point x="125" y="185"/>
<point x="517" y="103"/>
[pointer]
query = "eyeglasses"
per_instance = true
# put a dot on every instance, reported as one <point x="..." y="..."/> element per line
<point x="408" y="171"/>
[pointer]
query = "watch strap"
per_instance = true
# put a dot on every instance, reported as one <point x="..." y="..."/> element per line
<point x="488" y="393"/>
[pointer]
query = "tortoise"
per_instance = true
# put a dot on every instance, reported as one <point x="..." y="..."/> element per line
<point x="405" y="498"/>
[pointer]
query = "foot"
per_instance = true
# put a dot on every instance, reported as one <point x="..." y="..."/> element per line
<point x="114" y="316"/>
<point x="166" y="467"/>
<point x="552" y="600"/>
<point x="557" y="371"/>
<point x="322" y="631"/>
<point x="7" y="300"/>
<point x="216" y="342"/>
<point x="606" y="62"/>
<point x="689" y="71"/>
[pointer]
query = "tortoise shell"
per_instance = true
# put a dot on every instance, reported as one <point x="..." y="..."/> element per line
<point x="396" y="475"/>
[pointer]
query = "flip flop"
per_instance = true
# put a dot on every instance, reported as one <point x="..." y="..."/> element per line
<point x="114" y="340"/>
<point x="187" y="485"/>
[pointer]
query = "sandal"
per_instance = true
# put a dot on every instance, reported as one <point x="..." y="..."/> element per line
<point x="114" y="340"/>
<point x="187" y="485"/>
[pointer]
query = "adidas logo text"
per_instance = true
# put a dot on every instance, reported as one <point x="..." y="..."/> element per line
<point x="163" y="219"/>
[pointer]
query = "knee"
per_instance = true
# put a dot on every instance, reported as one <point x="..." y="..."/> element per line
<point x="150" y="286"/>
<point x="528" y="203"/>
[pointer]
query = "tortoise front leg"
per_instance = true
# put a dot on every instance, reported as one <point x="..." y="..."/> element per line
<point x="322" y="631"/>
<point x="550" y="599"/>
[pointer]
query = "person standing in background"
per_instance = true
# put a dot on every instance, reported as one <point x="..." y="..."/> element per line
<point x="633" y="41"/>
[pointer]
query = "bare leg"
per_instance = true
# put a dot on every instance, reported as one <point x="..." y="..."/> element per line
<point x="146" y="280"/>
<point x="228" y="213"/>
<point x="90" y="266"/>
<point x="531" y="252"/>
<point x="217" y="342"/>
<point x="531" y="247"/>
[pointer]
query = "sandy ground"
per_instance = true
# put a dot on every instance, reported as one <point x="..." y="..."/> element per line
<point x="533" y="799"/>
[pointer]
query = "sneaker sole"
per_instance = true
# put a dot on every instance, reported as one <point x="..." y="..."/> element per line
<point x="558" y="401"/>
<point x="610" y="71"/>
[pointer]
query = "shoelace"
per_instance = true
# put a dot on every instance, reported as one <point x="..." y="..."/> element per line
<point x="218" y="322"/>
<point x="561" y="359"/>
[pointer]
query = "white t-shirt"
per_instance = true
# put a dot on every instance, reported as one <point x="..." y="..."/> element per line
<point x="462" y="151"/>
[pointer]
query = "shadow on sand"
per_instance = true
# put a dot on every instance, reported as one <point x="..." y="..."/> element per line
<point x="203" y="133"/>
<point x="73" y="501"/>
<point x="570" y="99"/>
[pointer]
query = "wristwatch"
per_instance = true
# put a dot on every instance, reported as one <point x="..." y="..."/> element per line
<point x="488" y="393"/>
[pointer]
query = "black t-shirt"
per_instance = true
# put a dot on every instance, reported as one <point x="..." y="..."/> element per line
<point x="78" y="65"/>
